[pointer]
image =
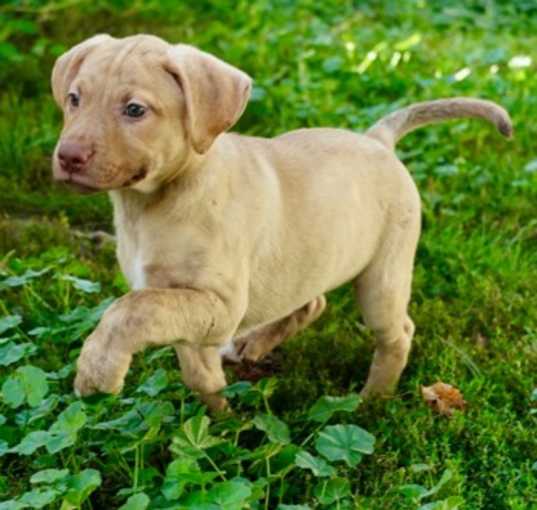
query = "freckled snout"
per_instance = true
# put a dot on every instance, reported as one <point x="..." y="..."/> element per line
<point x="74" y="156"/>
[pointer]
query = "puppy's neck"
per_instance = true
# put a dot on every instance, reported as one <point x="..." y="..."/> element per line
<point x="181" y="191"/>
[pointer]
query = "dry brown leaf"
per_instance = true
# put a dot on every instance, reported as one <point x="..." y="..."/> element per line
<point x="443" y="398"/>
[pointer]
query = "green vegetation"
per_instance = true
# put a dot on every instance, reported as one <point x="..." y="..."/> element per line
<point x="337" y="63"/>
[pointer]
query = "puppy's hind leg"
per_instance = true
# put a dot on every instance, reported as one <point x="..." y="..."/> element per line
<point x="383" y="292"/>
<point x="258" y="343"/>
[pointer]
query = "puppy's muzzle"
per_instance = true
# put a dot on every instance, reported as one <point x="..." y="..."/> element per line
<point x="74" y="157"/>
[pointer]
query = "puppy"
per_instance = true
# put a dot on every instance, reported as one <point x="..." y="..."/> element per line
<point x="230" y="242"/>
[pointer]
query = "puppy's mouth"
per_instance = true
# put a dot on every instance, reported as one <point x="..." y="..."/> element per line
<point x="81" y="185"/>
<point x="137" y="177"/>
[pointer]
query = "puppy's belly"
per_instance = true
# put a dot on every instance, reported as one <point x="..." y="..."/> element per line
<point x="278" y="293"/>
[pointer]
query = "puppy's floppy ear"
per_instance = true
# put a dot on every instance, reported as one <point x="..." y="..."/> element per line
<point x="215" y="93"/>
<point x="67" y="65"/>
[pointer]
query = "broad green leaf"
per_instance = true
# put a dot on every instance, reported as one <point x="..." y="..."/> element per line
<point x="39" y="498"/>
<point x="413" y="491"/>
<point x="12" y="504"/>
<point x="266" y="386"/>
<point x="344" y="442"/>
<point x="159" y="354"/>
<point x="46" y="407"/>
<point x="86" y="286"/>
<point x="63" y="432"/>
<point x="130" y="422"/>
<point x="229" y="495"/>
<point x="31" y="442"/>
<point x="11" y="352"/>
<point x="28" y="383"/>
<point x="237" y="389"/>
<point x="138" y="501"/>
<point x="13" y="392"/>
<point x="187" y="470"/>
<point x="58" y="441"/>
<point x="277" y="431"/>
<point x="34" y="381"/>
<point x="154" y="384"/>
<point x="293" y="507"/>
<point x="284" y="459"/>
<point x="145" y="415"/>
<point x="40" y="331"/>
<point x="62" y="373"/>
<point x="81" y="485"/>
<point x="71" y="420"/>
<point x="326" y="406"/>
<point x="195" y="502"/>
<point x="8" y="322"/>
<point x="174" y="484"/>
<point x="330" y="491"/>
<point x="49" y="476"/>
<point x="258" y="488"/>
<point x="261" y="453"/>
<point x="194" y="437"/>
<point x="82" y="314"/>
<point x="155" y="413"/>
<point x="17" y="281"/>
<point x="82" y="319"/>
<point x="4" y="447"/>
<point x="317" y="465"/>
<point x="181" y="472"/>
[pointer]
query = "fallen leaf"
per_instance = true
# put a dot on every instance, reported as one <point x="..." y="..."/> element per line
<point x="443" y="398"/>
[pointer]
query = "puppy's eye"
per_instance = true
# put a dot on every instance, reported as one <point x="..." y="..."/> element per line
<point x="74" y="99"/>
<point x="134" y="110"/>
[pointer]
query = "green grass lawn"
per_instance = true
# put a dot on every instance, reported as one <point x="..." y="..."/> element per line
<point x="329" y="63"/>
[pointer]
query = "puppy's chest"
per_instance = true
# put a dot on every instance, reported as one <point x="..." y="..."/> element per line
<point x="131" y="261"/>
<point x="135" y="272"/>
<point x="162" y="261"/>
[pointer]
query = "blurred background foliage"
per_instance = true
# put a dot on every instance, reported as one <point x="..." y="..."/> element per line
<point x="337" y="63"/>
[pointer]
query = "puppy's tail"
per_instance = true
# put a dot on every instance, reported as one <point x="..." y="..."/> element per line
<point x="391" y="128"/>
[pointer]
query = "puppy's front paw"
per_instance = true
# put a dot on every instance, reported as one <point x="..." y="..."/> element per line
<point x="100" y="367"/>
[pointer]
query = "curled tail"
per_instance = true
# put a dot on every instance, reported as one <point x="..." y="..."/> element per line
<point x="391" y="128"/>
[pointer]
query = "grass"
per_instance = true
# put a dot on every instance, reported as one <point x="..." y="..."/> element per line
<point x="474" y="301"/>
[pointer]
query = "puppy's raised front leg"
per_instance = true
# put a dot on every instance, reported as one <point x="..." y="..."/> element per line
<point x="154" y="317"/>
<point x="202" y="372"/>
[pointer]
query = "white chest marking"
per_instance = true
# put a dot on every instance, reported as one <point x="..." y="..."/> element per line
<point x="137" y="274"/>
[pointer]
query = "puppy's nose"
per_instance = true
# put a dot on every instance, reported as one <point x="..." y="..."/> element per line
<point x="74" y="156"/>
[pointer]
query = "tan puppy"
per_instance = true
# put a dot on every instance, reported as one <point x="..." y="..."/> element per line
<point x="227" y="238"/>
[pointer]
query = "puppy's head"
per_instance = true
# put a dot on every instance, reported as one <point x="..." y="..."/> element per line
<point x="135" y="109"/>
